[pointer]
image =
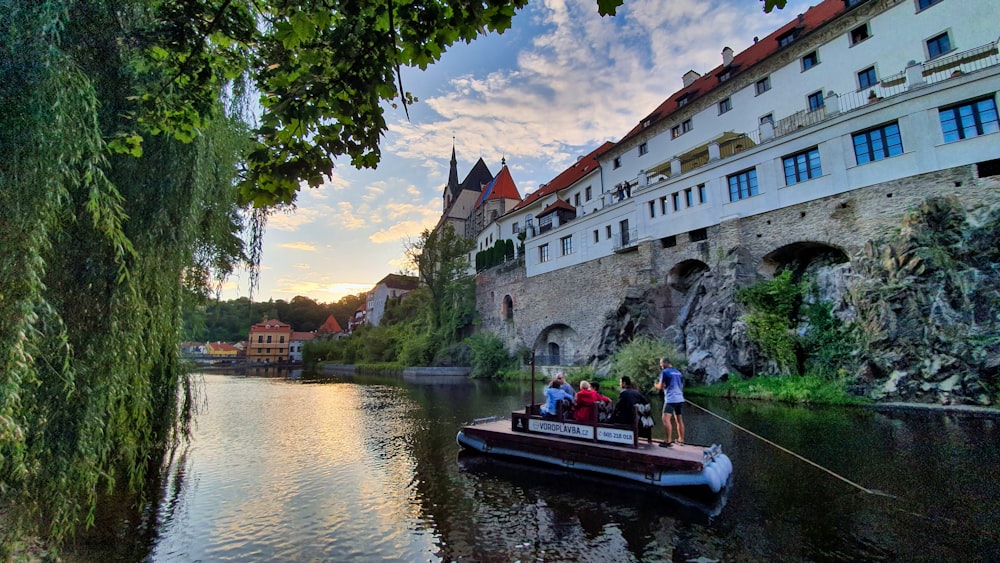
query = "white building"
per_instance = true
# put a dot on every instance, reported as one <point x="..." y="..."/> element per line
<point x="849" y="94"/>
<point x="393" y="286"/>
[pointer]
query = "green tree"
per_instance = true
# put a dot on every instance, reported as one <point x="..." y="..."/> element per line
<point x="441" y="259"/>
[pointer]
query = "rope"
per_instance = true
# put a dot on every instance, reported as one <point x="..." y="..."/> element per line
<point x="790" y="452"/>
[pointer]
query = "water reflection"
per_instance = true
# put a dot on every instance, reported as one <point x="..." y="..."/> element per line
<point x="366" y="468"/>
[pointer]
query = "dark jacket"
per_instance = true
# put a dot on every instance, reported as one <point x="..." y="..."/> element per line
<point x="624" y="411"/>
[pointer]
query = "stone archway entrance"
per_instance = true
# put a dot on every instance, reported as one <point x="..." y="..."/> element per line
<point x="557" y="345"/>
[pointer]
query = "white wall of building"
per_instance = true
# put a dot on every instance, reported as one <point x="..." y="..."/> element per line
<point x="897" y="36"/>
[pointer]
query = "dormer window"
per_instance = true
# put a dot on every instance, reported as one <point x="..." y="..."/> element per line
<point x="787" y="38"/>
<point x="725" y="76"/>
<point x="683" y="100"/>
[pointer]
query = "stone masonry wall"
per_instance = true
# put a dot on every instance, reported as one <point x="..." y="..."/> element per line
<point x="571" y="305"/>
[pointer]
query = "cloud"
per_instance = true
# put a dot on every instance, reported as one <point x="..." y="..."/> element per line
<point x="402" y="230"/>
<point x="349" y="218"/>
<point x="292" y="219"/>
<point x="298" y="245"/>
<point x="322" y="289"/>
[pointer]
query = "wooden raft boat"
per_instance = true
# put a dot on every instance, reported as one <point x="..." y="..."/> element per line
<point x="610" y="449"/>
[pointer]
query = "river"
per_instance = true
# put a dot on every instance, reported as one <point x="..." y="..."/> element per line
<point x="352" y="468"/>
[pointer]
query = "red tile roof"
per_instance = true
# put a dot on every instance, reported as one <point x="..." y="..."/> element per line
<point x="271" y="326"/>
<point x="566" y="178"/>
<point x="811" y="20"/>
<point x="302" y="336"/>
<point x="502" y="187"/>
<point x="331" y="326"/>
<point x="557" y="204"/>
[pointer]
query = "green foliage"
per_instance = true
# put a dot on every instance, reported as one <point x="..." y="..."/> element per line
<point x="501" y="251"/>
<point x="773" y="306"/>
<point x="489" y="356"/>
<point x="640" y="360"/>
<point x="440" y="257"/>
<point x="829" y="346"/>
<point x="325" y="71"/>
<point x="792" y="389"/>
<point x="229" y="321"/>
<point x="100" y="248"/>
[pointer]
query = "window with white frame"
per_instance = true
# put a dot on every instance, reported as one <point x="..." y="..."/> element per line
<point x="643" y="148"/>
<point x="617" y="162"/>
<point x="543" y="253"/>
<point x="689" y="197"/>
<point x="859" y="34"/>
<point x="567" y="245"/>
<point x="809" y="60"/>
<point x="725" y="105"/>
<point x="969" y="119"/>
<point x="802" y="166"/>
<point x="762" y="85"/>
<point x="702" y="194"/>
<point x="587" y="193"/>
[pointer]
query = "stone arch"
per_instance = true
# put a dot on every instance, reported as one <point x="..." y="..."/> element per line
<point x="566" y="342"/>
<point x="507" y="308"/>
<point x="800" y="257"/>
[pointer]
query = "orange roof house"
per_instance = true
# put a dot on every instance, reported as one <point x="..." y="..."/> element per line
<point x="329" y="328"/>
<point x="269" y="341"/>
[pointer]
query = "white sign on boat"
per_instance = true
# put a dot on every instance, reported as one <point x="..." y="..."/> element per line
<point x="561" y="428"/>
<point x="615" y="435"/>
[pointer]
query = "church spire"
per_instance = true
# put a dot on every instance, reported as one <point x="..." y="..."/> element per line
<point x="453" y="174"/>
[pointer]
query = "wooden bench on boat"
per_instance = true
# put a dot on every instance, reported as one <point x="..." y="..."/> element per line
<point x="532" y="420"/>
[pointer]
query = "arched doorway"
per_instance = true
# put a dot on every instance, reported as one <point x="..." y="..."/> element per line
<point x="553" y="354"/>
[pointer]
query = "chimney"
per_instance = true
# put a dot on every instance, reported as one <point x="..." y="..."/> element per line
<point x="727" y="56"/>
<point x="689" y="78"/>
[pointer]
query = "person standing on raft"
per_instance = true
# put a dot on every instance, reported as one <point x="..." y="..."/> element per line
<point x="673" y="401"/>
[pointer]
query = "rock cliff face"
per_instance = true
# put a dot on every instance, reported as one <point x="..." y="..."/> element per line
<point x="924" y="303"/>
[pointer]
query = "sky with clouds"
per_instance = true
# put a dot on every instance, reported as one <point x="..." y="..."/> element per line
<point x="555" y="86"/>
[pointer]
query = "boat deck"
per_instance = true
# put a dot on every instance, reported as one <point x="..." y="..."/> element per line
<point x="679" y="457"/>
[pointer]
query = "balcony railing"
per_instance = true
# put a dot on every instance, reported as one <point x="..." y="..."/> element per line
<point x="625" y="240"/>
<point x="929" y="72"/>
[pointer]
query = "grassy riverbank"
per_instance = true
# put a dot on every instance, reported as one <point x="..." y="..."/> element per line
<point x="791" y="389"/>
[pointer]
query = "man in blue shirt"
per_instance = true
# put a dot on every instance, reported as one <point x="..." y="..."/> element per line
<point x="673" y="401"/>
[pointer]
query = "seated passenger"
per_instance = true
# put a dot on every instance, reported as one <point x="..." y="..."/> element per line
<point x="585" y="409"/>
<point x="624" y="412"/>
<point x="604" y="405"/>
<point x="565" y="386"/>
<point x="553" y="395"/>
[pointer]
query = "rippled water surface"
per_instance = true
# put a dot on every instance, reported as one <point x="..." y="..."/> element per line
<point x="367" y="469"/>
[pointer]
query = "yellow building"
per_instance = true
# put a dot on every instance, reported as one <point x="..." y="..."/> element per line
<point x="269" y="342"/>
<point x="221" y="350"/>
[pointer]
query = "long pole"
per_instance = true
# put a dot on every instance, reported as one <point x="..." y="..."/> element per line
<point x="790" y="452"/>
<point x="531" y="407"/>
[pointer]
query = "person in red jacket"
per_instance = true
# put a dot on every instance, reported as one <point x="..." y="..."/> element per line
<point x="586" y="399"/>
